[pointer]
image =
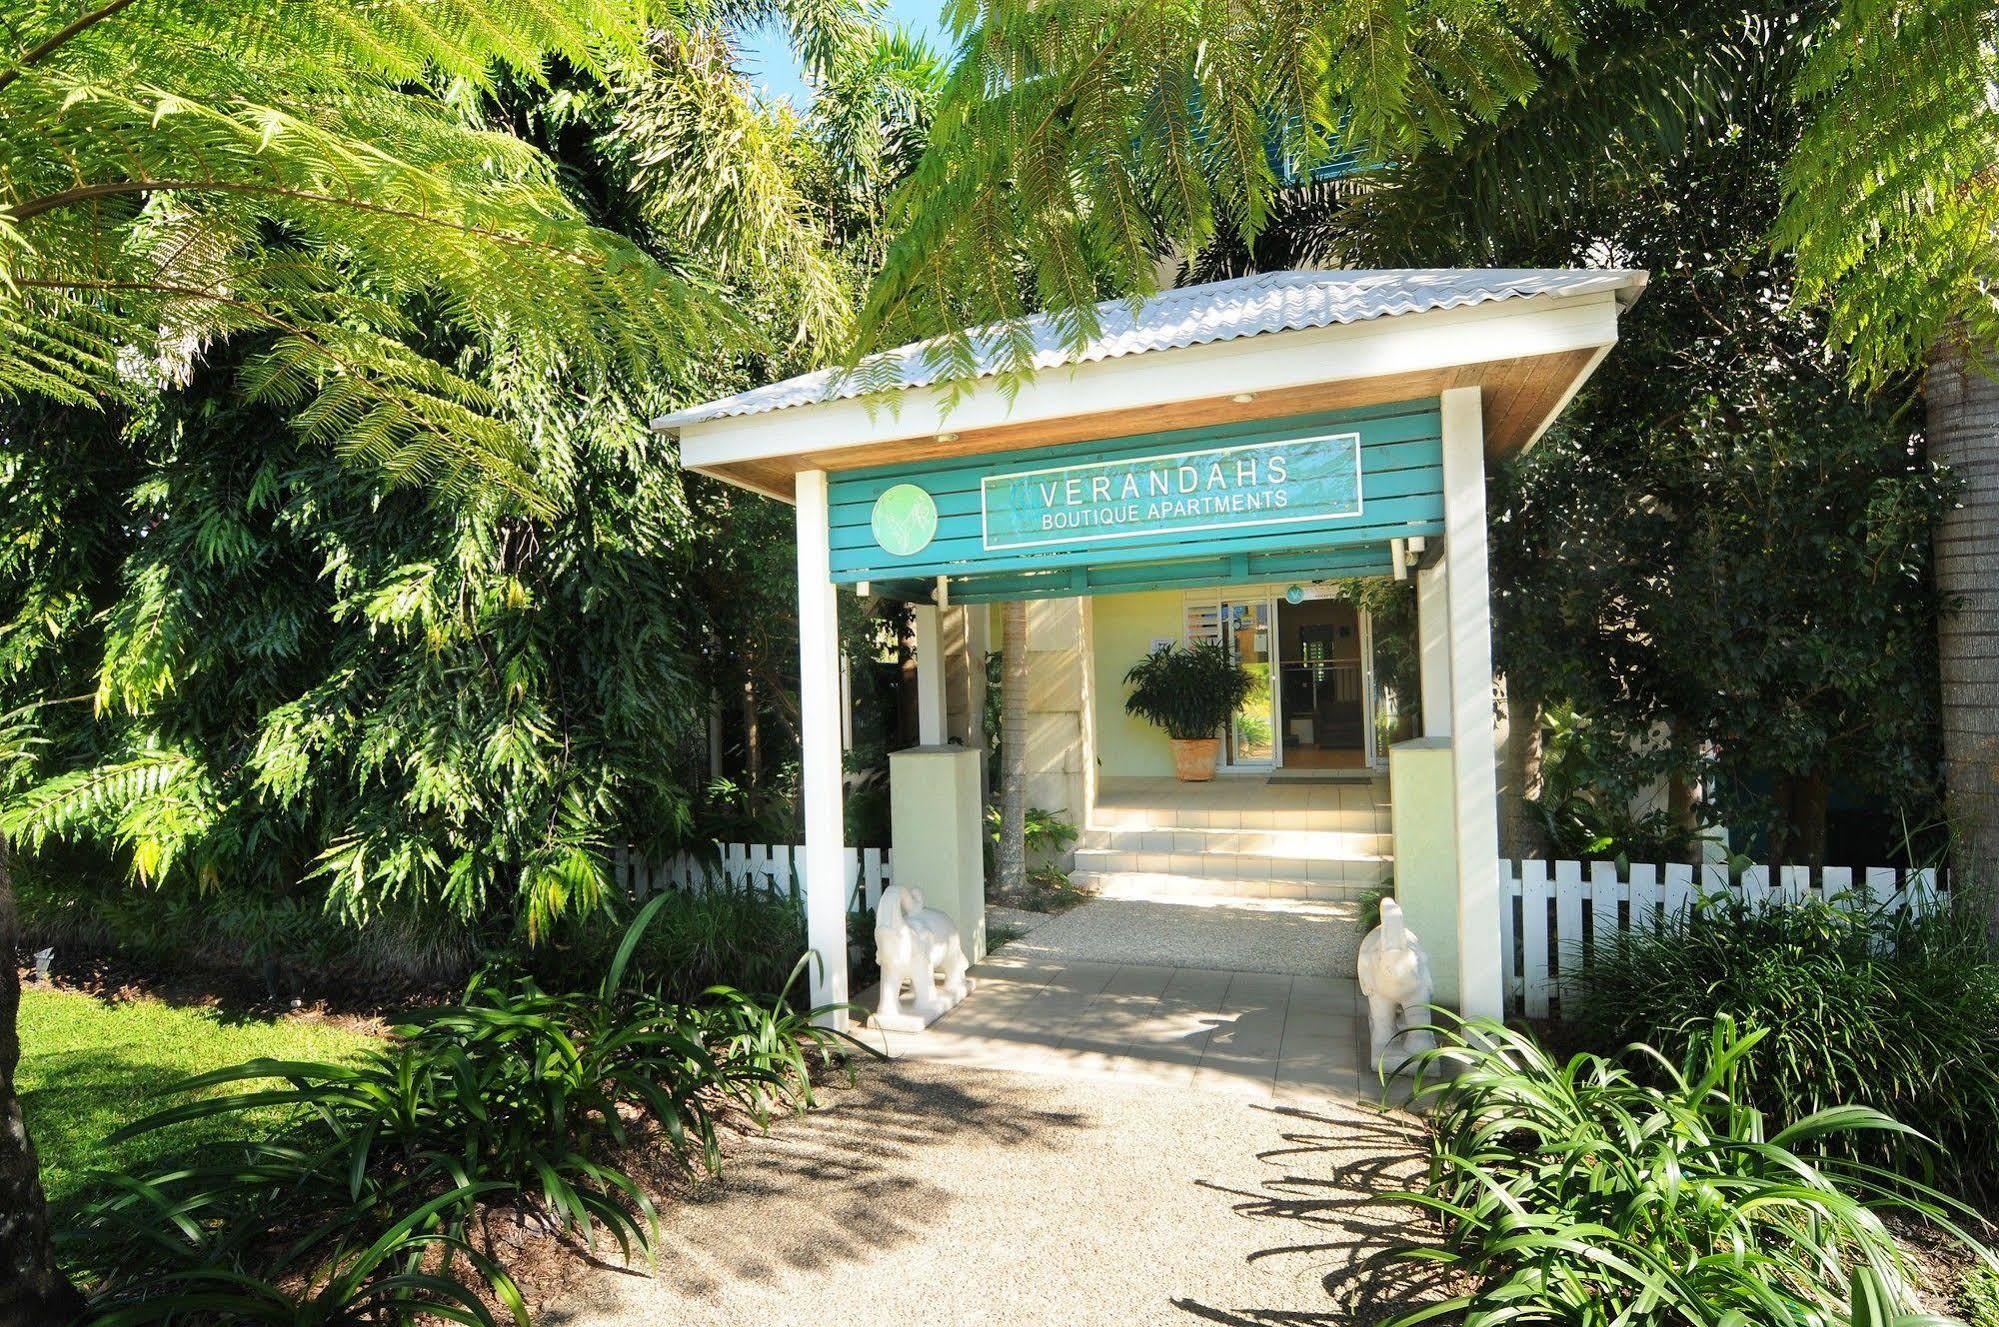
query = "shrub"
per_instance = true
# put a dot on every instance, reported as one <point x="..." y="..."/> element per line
<point x="1047" y="888"/>
<point x="722" y="935"/>
<point x="1042" y="831"/>
<point x="1578" y="1193"/>
<point x="291" y="943"/>
<point x="1591" y="778"/>
<point x="1892" y="1011"/>
<point x="362" y="1205"/>
<point x="1190" y="693"/>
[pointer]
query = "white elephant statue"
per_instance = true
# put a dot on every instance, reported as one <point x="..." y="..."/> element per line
<point x="919" y="946"/>
<point x="1395" y="978"/>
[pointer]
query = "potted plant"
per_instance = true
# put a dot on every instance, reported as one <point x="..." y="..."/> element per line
<point x="1190" y="693"/>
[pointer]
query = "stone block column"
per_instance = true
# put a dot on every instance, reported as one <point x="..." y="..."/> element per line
<point x="1061" y="742"/>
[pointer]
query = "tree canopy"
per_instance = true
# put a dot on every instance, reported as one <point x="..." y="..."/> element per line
<point x="1079" y="143"/>
<point x="294" y="671"/>
<point x="1717" y="568"/>
<point x="180" y="172"/>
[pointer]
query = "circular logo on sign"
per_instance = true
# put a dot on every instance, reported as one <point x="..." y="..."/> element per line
<point x="1295" y="595"/>
<point x="905" y="520"/>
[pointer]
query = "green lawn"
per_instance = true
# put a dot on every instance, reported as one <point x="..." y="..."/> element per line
<point x="88" y="1067"/>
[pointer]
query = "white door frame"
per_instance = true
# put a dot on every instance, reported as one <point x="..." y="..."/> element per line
<point x="1214" y="599"/>
<point x="1369" y="755"/>
<point x="1372" y="754"/>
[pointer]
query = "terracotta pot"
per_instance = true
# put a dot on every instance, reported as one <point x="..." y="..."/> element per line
<point x="1194" y="758"/>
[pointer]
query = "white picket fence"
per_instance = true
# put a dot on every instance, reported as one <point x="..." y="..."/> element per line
<point x="768" y="867"/>
<point x="1553" y="916"/>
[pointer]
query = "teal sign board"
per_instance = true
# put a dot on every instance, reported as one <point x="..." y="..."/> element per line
<point x="1174" y="494"/>
<point x="1273" y="497"/>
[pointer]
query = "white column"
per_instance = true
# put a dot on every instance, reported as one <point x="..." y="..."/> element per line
<point x="824" y="860"/>
<point x="1474" y="741"/>
<point x="929" y="676"/>
<point x="1433" y="648"/>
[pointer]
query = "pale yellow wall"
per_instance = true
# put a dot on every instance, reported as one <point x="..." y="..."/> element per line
<point x="1125" y="627"/>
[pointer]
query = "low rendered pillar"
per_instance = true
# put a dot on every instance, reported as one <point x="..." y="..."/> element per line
<point x="1422" y="787"/>
<point x="937" y="843"/>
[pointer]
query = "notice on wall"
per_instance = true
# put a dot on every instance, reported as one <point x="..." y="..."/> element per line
<point x="1183" y="494"/>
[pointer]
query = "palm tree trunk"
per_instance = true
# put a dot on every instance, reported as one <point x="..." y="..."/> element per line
<point x="1963" y="428"/>
<point x="1010" y="857"/>
<point x="32" y="1290"/>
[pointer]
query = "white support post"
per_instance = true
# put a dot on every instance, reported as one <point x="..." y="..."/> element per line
<point x="1474" y="739"/>
<point x="823" y="864"/>
<point x="1433" y="639"/>
<point x="930" y="700"/>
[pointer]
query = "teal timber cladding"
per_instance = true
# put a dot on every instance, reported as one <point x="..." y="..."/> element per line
<point x="1401" y="490"/>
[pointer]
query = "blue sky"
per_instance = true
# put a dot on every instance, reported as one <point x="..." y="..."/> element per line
<point x="769" y="55"/>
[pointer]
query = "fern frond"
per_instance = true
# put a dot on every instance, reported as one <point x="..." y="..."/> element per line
<point x="179" y="173"/>
<point x="1892" y="198"/>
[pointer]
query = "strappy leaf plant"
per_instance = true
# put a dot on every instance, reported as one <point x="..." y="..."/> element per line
<point x="1571" y="1192"/>
<point x="1189" y="692"/>
<point x="1893" y="1009"/>
<point x="368" y="1201"/>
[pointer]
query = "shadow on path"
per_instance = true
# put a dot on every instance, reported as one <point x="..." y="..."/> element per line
<point x="1329" y="1200"/>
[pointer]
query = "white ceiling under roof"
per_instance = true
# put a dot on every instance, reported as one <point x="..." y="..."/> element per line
<point x="1188" y="316"/>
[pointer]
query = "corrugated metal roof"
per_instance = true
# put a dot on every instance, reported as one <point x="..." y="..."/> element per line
<point x="1188" y="316"/>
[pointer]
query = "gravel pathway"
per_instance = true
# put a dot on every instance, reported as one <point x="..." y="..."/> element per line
<point x="935" y="1196"/>
<point x="1018" y="920"/>
<point x="1303" y="939"/>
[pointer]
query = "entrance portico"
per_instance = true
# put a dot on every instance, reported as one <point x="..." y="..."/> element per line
<point x="1274" y="435"/>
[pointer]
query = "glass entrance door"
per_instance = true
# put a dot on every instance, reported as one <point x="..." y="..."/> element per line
<point x="1322" y="681"/>
<point x="1243" y="628"/>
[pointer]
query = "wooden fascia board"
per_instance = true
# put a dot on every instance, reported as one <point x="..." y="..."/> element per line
<point x="1569" y="393"/>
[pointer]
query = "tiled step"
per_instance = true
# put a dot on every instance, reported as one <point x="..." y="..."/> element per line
<point x="1168" y="885"/>
<point x="1361" y="815"/>
<point x="1307" y="843"/>
<point x="1366" y="863"/>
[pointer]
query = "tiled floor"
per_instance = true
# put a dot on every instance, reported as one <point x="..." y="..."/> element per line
<point x="1257" y="1035"/>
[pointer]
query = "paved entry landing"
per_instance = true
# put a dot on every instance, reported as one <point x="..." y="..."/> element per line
<point x="1262" y="1036"/>
<point x="1304" y="938"/>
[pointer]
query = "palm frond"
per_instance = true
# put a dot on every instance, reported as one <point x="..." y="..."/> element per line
<point x="1058" y="118"/>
